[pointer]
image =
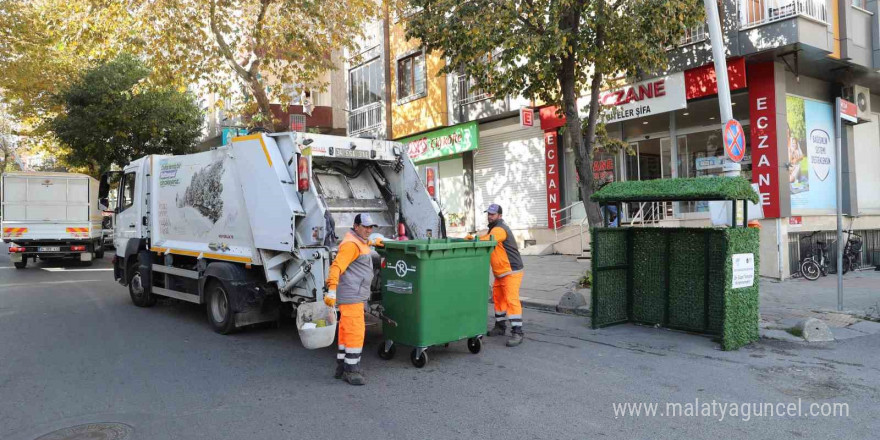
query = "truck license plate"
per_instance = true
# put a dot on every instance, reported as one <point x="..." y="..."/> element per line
<point x="357" y="154"/>
<point x="50" y="249"/>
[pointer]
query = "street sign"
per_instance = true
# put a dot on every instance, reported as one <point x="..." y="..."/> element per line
<point x="734" y="140"/>
<point x="848" y="111"/>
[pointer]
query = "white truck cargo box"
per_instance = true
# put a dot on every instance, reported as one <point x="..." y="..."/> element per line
<point x="199" y="208"/>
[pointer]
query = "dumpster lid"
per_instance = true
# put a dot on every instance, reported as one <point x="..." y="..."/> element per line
<point x="436" y="244"/>
<point x="679" y="189"/>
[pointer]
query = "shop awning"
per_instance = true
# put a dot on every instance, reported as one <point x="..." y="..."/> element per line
<point x="689" y="189"/>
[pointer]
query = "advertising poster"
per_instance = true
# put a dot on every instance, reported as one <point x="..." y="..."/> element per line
<point x="810" y="154"/>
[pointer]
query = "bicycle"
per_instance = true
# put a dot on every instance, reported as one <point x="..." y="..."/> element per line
<point x="815" y="261"/>
<point x="852" y="252"/>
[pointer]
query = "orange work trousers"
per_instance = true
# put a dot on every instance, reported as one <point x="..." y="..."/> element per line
<point x="351" y="334"/>
<point x="505" y="295"/>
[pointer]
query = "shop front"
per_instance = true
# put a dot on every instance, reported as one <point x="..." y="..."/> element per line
<point x="510" y="169"/>
<point x="443" y="159"/>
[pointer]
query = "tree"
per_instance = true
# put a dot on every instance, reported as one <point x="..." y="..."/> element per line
<point x="112" y="116"/>
<point x="554" y="50"/>
<point x="261" y="44"/>
<point x="265" y="44"/>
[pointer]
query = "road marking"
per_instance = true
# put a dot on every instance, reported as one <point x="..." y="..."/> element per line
<point x="64" y="269"/>
<point x="50" y="282"/>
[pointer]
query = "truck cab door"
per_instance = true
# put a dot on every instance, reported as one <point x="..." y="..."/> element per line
<point x="129" y="210"/>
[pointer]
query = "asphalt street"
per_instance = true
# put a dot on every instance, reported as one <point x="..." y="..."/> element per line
<point x="74" y="350"/>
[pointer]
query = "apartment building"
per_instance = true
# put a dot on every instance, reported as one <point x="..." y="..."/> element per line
<point x="787" y="62"/>
<point x="470" y="147"/>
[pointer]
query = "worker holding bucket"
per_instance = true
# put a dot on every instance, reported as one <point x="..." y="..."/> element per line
<point x="507" y="266"/>
<point x="348" y="284"/>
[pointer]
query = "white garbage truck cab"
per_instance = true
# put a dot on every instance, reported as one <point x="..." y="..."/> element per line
<point x="250" y="226"/>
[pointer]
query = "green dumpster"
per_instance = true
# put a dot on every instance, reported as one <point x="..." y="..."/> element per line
<point x="434" y="292"/>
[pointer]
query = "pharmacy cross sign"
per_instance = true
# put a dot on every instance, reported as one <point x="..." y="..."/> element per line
<point x="734" y="140"/>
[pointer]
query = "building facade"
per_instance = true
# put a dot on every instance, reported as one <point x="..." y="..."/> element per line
<point x="787" y="62"/>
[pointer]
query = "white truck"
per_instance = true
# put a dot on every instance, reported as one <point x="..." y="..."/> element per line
<point x="252" y="227"/>
<point x="51" y="215"/>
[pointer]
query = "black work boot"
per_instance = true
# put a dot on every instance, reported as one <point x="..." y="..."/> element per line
<point x="340" y="366"/>
<point x="516" y="337"/>
<point x="500" y="329"/>
<point x="353" y="375"/>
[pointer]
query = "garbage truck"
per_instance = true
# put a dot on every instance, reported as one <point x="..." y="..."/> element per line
<point x="51" y="215"/>
<point x="250" y="228"/>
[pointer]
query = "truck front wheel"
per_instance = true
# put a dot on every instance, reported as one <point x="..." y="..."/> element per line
<point x="99" y="249"/>
<point x="220" y="312"/>
<point x="139" y="286"/>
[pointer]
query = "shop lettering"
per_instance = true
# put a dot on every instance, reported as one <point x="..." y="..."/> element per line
<point x="629" y="94"/>
<point x="762" y="109"/>
<point x="552" y="163"/>
<point x="421" y="146"/>
<point x="643" y="110"/>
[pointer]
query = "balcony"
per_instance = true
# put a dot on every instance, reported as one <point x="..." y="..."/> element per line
<point x="758" y="12"/>
<point x="695" y="34"/>
<point x="366" y="118"/>
<point x="468" y="93"/>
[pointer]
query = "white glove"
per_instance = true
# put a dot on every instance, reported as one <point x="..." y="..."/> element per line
<point x="330" y="298"/>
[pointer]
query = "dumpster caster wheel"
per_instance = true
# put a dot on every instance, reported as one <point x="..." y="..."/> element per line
<point x="387" y="354"/>
<point x="419" y="360"/>
<point x="475" y="345"/>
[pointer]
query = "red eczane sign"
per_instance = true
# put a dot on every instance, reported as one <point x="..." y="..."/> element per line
<point x="551" y="159"/>
<point x="765" y="155"/>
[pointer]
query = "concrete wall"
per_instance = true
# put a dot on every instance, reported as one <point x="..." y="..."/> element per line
<point x="856" y="35"/>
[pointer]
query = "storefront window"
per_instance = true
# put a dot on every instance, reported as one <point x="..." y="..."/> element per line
<point x="702" y="154"/>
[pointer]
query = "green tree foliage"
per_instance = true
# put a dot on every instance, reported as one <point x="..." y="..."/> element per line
<point x="555" y="51"/>
<point x="111" y="116"/>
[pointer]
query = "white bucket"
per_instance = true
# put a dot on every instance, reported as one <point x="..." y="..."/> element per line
<point x="319" y="337"/>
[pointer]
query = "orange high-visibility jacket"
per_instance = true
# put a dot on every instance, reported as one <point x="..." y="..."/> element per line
<point x="505" y="258"/>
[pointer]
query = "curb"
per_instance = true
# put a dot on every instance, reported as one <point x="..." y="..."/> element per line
<point x="551" y="306"/>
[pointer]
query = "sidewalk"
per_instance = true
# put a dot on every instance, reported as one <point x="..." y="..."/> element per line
<point x="548" y="277"/>
<point x="783" y="304"/>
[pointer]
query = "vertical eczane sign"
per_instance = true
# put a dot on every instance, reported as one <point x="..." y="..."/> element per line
<point x="765" y="156"/>
<point x="551" y="159"/>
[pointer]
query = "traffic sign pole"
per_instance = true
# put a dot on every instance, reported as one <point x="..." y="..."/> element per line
<point x="838" y="167"/>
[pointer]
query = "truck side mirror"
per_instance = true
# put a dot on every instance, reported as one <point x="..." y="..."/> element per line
<point x="104" y="203"/>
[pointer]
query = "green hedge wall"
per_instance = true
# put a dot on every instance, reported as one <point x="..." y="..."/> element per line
<point x="675" y="277"/>
<point x="741" y="314"/>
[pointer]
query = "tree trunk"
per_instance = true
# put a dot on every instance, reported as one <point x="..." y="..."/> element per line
<point x="574" y="138"/>
<point x="259" y="92"/>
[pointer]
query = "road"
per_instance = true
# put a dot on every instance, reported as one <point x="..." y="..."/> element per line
<point x="74" y="350"/>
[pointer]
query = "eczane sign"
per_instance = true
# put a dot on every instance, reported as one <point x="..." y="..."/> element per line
<point x="658" y="95"/>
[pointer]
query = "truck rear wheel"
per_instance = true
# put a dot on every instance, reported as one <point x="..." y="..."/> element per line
<point x="99" y="249"/>
<point x="21" y="264"/>
<point x="140" y="284"/>
<point x="219" y="309"/>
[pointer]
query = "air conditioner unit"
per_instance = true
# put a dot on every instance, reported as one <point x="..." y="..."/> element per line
<point x="863" y="102"/>
<point x="861" y="97"/>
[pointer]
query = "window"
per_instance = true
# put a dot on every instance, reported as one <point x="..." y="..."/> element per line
<point x="127" y="191"/>
<point x="365" y="84"/>
<point x="411" y="76"/>
<point x="859" y="3"/>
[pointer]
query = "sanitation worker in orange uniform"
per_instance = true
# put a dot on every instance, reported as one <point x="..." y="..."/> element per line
<point x="507" y="266"/>
<point x="348" y="284"/>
